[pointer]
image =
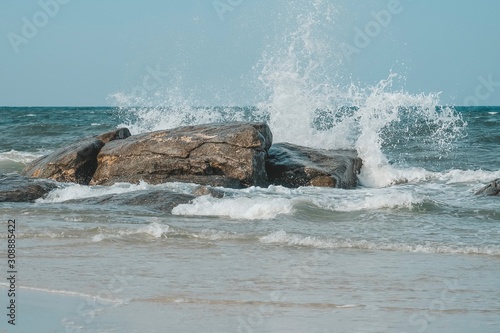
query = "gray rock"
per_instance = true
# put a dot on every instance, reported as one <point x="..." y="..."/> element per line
<point x="231" y="155"/>
<point x="492" y="189"/>
<point x="156" y="200"/>
<point x="292" y="166"/>
<point x="219" y="154"/>
<point x="16" y="188"/>
<point x="206" y="190"/>
<point x="76" y="162"/>
<point x="118" y="134"/>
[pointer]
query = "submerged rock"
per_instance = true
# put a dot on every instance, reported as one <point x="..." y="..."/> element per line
<point x="205" y="190"/>
<point x="158" y="200"/>
<point x="16" y="188"/>
<point x="492" y="189"/>
<point x="74" y="163"/>
<point x="220" y="154"/>
<point x="291" y="165"/>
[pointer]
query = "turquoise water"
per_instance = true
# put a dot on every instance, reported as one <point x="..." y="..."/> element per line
<point x="411" y="250"/>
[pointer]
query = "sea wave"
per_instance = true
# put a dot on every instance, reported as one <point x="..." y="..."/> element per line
<point x="19" y="156"/>
<point x="236" y="208"/>
<point x="157" y="231"/>
<point x="153" y="230"/>
<point x="281" y="237"/>
<point x="77" y="191"/>
<point x="371" y="200"/>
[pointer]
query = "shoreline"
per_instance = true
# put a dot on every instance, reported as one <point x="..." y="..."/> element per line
<point x="39" y="310"/>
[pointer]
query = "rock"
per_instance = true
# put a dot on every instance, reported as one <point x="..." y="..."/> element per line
<point x="157" y="200"/>
<point x="205" y="190"/>
<point x="219" y="154"/>
<point x="231" y="155"/>
<point x="16" y="188"/>
<point x="119" y="134"/>
<point x="291" y="165"/>
<point x="74" y="163"/>
<point x="492" y="189"/>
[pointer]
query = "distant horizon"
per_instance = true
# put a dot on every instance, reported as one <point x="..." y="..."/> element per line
<point x="198" y="106"/>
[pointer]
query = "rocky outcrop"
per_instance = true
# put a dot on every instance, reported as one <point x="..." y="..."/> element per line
<point x="221" y="154"/>
<point x="290" y="165"/>
<point x="16" y="188"/>
<point x="492" y="189"/>
<point x="75" y="163"/>
<point x="231" y="155"/>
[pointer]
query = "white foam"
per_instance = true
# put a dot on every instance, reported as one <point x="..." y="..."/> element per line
<point x="236" y="208"/>
<point x="19" y="156"/>
<point x="77" y="191"/>
<point x="155" y="230"/>
<point x="283" y="238"/>
<point x="468" y="176"/>
<point x="389" y="199"/>
<point x="298" y="87"/>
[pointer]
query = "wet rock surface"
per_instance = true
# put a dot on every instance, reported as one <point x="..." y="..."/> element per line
<point x="231" y="155"/>
<point x="228" y="154"/>
<point x="292" y="166"/>
<point x="492" y="189"/>
<point x="156" y="200"/>
<point x="16" y="188"/>
<point x="74" y="163"/>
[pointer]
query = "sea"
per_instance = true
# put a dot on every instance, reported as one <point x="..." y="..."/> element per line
<point x="411" y="249"/>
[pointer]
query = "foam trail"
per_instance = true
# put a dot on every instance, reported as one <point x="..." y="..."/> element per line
<point x="281" y="237"/>
<point x="76" y="191"/>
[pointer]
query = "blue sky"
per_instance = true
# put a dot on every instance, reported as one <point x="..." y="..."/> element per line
<point x="79" y="52"/>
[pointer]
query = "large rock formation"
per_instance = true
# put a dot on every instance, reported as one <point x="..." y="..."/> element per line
<point x="293" y="166"/>
<point x="16" y="188"/>
<point x="221" y="154"/>
<point x="232" y="155"/>
<point x="492" y="189"/>
<point x="75" y="163"/>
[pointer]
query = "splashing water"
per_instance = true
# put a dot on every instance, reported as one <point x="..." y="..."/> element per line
<point x="306" y="108"/>
<point x="168" y="108"/>
<point x="305" y="105"/>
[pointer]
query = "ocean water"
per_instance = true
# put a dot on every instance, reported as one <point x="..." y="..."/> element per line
<point x="411" y="250"/>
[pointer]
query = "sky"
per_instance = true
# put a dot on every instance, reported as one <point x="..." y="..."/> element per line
<point x="212" y="52"/>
